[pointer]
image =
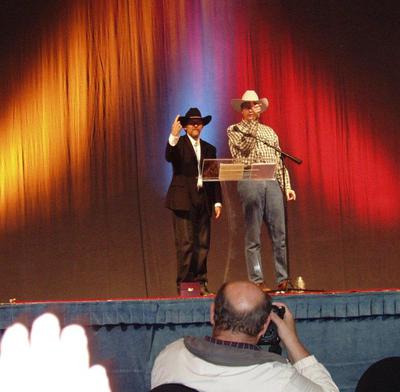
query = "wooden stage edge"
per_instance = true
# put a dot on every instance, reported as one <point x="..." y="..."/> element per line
<point x="272" y="293"/>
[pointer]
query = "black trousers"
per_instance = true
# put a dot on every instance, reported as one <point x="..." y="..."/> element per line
<point x="192" y="241"/>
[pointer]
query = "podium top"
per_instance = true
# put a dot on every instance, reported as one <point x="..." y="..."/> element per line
<point x="234" y="170"/>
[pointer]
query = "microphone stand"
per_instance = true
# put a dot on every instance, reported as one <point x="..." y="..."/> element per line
<point x="277" y="149"/>
<point x="282" y="155"/>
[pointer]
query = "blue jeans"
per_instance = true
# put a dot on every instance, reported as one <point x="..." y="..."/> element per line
<point x="263" y="201"/>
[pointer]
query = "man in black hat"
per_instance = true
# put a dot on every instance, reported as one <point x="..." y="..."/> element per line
<point x="191" y="200"/>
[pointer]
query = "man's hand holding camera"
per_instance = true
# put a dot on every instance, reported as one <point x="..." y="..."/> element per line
<point x="288" y="335"/>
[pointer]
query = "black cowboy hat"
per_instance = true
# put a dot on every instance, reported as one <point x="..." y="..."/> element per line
<point x="193" y="113"/>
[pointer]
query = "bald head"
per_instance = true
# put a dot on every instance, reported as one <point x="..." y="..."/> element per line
<point x="244" y="296"/>
<point x="241" y="307"/>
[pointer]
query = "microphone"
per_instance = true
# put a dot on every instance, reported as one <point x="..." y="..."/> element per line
<point x="237" y="129"/>
<point x="277" y="149"/>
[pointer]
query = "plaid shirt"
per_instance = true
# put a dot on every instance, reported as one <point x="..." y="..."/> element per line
<point x="249" y="150"/>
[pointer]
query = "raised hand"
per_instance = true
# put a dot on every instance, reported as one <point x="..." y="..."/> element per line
<point x="176" y="127"/>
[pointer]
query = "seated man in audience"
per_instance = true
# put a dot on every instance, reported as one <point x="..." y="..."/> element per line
<point x="48" y="359"/>
<point x="230" y="360"/>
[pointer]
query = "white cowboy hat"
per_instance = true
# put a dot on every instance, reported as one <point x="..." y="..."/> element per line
<point x="249" y="96"/>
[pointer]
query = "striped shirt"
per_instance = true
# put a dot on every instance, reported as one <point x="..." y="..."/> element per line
<point x="245" y="346"/>
<point x="248" y="147"/>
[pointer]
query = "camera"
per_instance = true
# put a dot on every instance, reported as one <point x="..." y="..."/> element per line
<point x="271" y="334"/>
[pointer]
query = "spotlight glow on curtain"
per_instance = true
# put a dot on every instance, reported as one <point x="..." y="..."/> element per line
<point x="66" y="137"/>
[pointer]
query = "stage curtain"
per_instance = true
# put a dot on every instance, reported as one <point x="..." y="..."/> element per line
<point x="88" y="96"/>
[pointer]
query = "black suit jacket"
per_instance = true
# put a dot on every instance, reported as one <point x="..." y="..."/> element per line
<point x="182" y="192"/>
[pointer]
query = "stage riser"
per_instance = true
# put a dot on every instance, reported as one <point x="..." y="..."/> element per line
<point x="346" y="331"/>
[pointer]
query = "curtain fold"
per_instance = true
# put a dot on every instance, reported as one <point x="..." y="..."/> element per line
<point x="87" y="111"/>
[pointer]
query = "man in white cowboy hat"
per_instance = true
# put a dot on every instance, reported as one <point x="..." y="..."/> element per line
<point x="261" y="200"/>
<point x="191" y="200"/>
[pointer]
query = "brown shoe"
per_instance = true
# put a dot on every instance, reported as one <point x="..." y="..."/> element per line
<point x="284" y="285"/>
<point x="263" y="287"/>
<point x="205" y="292"/>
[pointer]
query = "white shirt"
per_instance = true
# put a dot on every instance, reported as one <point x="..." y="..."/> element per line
<point x="175" y="364"/>
<point x="173" y="141"/>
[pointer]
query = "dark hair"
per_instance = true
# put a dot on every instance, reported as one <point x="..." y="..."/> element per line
<point x="227" y="318"/>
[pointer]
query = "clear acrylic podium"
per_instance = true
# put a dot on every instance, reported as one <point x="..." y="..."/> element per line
<point x="234" y="170"/>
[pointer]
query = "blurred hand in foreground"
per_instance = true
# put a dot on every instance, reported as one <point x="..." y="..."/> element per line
<point x="49" y="359"/>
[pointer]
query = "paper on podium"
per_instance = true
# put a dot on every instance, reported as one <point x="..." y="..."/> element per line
<point x="222" y="170"/>
<point x="234" y="170"/>
<point x="231" y="171"/>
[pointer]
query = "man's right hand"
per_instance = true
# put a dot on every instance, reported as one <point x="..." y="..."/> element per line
<point x="287" y="333"/>
<point x="176" y="127"/>
<point x="257" y="109"/>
